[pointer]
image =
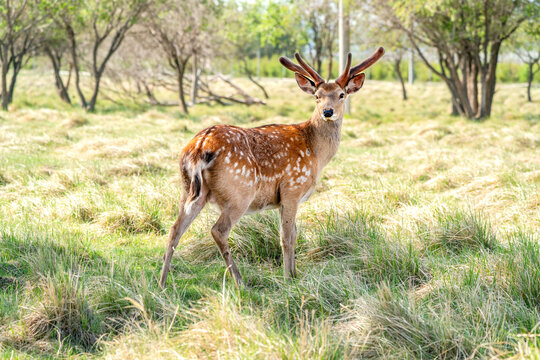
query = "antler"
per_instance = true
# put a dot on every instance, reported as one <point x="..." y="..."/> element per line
<point x="344" y="77"/>
<point x="349" y="73"/>
<point x="304" y="69"/>
<point x="314" y="75"/>
<point x="292" y="66"/>
<point x="367" y="63"/>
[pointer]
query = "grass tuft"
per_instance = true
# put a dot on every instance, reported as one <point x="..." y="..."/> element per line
<point x="338" y="235"/>
<point x="457" y="231"/>
<point x="75" y="121"/>
<point x="132" y="221"/>
<point x="64" y="311"/>
<point x="359" y="242"/>
<point x="3" y="180"/>
<point x="523" y="268"/>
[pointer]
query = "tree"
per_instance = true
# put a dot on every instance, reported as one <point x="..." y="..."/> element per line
<point x="55" y="45"/>
<point x="179" y="27"/>
<point x="100" y="26"/>
<point x="321" y="19"/>
<point x="396" y="51"/>
<point x="20" y="23"/>
<point x="395" y="43"/>
<point x="467" y="36"/>
<point x="138" y="69"/>
<point x="526" y="45"/>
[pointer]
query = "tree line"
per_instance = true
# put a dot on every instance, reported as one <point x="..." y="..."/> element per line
<point x="147" y="45"/>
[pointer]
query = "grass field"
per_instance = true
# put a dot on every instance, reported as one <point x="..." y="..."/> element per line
<point x="422" y="240"/>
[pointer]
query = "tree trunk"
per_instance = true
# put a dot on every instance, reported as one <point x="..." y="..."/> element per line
<point x="454" y="111"/>
<point x="458" y="87"/>
<point x="75" y="64"/>
<point x="195" y="82"/>
<point x="60" y="87"/>
<point x="489" y="81"/>
<point x="398" y="71"/>
<point x="180" y="69"/>
<point x="91" y="106"/>
<point x="470" y="75"/>
<point x="16" y="68"/>
<point x="457" y="108"/>
<point x="529" y="81"/>
<point x="5" y="95"/>
<point x="149" y="94"/>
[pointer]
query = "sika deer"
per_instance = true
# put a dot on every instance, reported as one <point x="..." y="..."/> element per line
<point x="272" y="166"/>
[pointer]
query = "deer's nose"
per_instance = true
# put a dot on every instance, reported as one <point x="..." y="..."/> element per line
<point x="328" y="112"/>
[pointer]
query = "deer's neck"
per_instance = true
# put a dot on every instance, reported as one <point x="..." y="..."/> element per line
<point x="324" y="137"/>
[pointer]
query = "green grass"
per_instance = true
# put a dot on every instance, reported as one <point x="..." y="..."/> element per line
<point x="420" y="242"/>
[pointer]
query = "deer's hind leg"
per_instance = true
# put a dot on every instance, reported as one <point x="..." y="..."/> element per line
<point x="178" y="229"/>
<point x="220" y="232"/>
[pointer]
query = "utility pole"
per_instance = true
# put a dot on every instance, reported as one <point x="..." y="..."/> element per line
<point x="259" y="62"/>
<point x="344" y="43"/>
<point x="411" y="66"/>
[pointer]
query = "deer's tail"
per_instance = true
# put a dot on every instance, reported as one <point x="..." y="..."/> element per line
<point x="193" y="164"/>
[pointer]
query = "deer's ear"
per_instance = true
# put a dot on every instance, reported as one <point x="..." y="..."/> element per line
<point x="355" y="83"/>
<point x="305" y="84"/>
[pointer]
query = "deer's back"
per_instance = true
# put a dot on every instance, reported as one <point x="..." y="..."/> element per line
<point x="257" y="165"/>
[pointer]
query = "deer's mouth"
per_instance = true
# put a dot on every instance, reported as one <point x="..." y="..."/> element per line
<point x="331" y="118"/>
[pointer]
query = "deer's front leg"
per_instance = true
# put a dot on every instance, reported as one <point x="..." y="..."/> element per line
<point x="288" y="237"/>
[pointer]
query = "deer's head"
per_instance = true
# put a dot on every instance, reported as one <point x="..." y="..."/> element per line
<point x="330" y="96"/>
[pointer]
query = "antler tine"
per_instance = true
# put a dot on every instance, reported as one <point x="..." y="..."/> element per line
<point x="292" y="66"/>
<point x="367" y="63"/>
<point x="313" y="74"/>
<point x="344" y="77"/>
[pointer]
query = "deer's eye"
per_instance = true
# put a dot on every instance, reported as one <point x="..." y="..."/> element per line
<point x="316" y="96"/>
<point x="341" y="96"/>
